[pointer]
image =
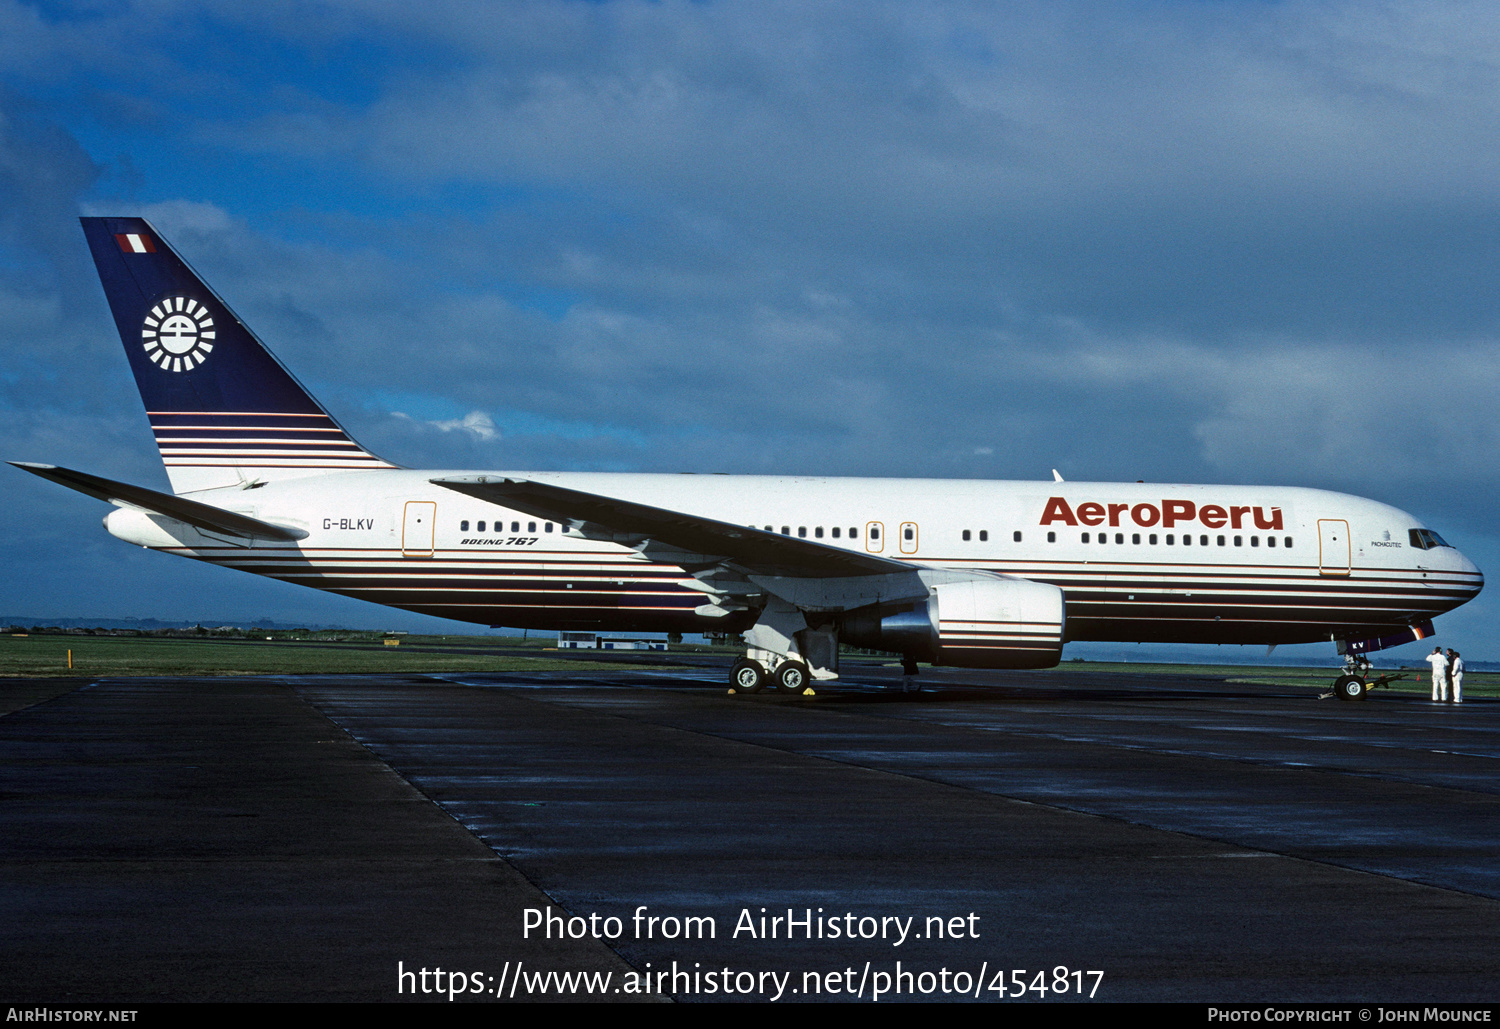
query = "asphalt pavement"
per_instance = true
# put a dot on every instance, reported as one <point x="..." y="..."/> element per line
<point x="999" y="836"/>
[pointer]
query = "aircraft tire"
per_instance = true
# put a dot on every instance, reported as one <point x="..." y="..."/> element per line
<point x="792" y="677"/>
<point x="747" y="676"/>
<point x="1350" y="687"/>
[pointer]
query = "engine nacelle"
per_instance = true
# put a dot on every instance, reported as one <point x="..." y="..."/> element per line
<point x="973" y="623"/>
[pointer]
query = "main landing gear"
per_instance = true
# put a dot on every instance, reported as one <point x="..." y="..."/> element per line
<point x="747" y="676"/>
<point x="750" y="676"/>
<point x="909" y="682"/>
<point x="782" y="650"/>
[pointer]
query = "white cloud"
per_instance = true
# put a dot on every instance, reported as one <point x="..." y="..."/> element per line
<point x="476" y="423"/>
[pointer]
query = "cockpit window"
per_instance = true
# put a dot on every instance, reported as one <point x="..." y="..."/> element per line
<point x="1426" y="539"/>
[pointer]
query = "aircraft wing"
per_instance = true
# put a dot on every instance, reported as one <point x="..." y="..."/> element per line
<point x="690" y="541"/>
<point x="200" y="516"/>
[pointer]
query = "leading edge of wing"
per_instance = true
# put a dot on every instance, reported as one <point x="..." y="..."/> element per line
<point x="700" y="540"/>
<point x="200" y="516"/>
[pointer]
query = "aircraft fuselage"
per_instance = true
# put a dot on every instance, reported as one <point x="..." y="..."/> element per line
<point x="1135" y="562"/>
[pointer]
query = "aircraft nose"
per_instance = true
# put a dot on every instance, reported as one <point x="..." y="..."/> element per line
<point x="1478" y="575"/>
<point x="1468" y="567"/>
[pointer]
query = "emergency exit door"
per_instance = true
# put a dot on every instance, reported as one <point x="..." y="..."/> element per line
<point x="1333" y="546"/>
<point x="417" y="527"/>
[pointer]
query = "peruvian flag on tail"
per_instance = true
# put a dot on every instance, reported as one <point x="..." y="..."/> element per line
<point x="135" y="243"/>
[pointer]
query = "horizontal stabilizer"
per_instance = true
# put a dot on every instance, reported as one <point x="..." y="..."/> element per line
<point x="200" y="516"/>
<point x="629" y="523"/>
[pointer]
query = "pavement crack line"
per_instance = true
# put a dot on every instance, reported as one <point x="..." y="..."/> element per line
<point x="298" y="690"/>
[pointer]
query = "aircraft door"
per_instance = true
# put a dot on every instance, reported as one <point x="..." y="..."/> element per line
<point x="1333" y="546"/>
<point x="874" y="533"/>
<point x="909" y="537"/>
<point x="417" y="528"/>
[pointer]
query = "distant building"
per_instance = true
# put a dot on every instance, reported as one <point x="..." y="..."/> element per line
<point x="593" y="641"/>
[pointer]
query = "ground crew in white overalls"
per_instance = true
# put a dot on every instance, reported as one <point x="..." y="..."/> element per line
<point x="1456" y="675"/>
<point x="1439" y="665"/>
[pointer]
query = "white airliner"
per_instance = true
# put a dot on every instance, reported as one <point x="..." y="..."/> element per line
<point x="957" y="572"/>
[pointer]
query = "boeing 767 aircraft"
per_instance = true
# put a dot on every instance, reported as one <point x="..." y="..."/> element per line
<point x="957" y="572"/>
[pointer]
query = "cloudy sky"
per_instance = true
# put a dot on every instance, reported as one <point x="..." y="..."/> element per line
<point x="1236" y="242"/>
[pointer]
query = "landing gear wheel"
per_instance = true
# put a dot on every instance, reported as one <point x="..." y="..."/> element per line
<point x="792" y="677"/>
<point x="747" y="676"/>
<point x="1350" y="687"/>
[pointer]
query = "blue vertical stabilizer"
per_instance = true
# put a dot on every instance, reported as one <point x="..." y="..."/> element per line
<point x="222" y="407"/>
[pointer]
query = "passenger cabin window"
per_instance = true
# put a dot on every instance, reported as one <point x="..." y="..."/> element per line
<point x="1151" y="539"/>
<point x="966" y="535"/>
<point x="1221" y="540"/>
<point x="1270" y="541"/>
<point x="1239" y="541"/>
<point x="1287" y="542"/>
<point x="786" y="530"/>
<point x="1051" y="537"/>
<point x="547" y="527"/>
<point x="853" y="533"/>
<point x="1120" y="538"/>
<point x="479" y="527"/>
<point x="984" y="535"/>
<point x="1135" y="538"/>
<point x="818" y="532"/>
<point x="463" y="526"/>
<point x="1016" y="536"/>
<point x="1084" y="538"/>
<point x="1170" y="539"/>
<point x="835" y="532"/>
<point x="1255" y="541"/>
<point x="531" y="526"/>
<point x="515" y="526"/>
<point x="802" y="532"/>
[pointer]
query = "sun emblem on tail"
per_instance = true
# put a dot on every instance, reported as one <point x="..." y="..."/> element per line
<point x="178" y="334"/>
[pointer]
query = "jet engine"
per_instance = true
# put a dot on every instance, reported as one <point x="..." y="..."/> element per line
<point x="992" y="622"/>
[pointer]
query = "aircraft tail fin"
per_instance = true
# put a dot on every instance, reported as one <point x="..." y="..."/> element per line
<point x="223" y="409"/>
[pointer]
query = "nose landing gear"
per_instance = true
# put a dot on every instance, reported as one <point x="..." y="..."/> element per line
<point x="1351" y="684"/>
<point x="1355" y="683"/>
<point x="1350" y="687"/>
